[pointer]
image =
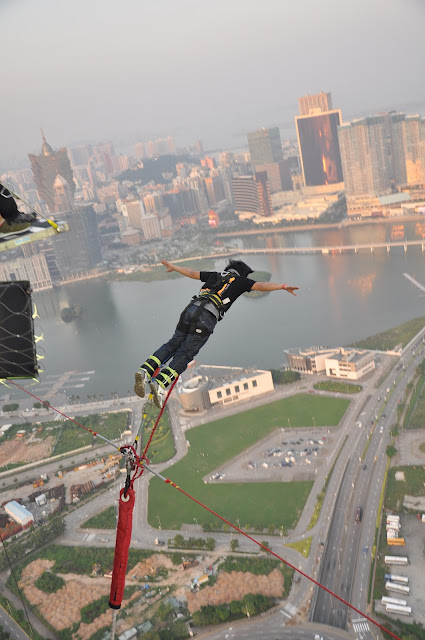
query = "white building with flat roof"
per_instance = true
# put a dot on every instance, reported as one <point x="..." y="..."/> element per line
<point x="18" y="513"/>
<point x="204" y="386"/>
<point x="337" y="362"/>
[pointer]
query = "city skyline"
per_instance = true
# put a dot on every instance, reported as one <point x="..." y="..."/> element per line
<point x="137" y="73"/>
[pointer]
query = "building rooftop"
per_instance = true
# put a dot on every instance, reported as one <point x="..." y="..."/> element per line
<point x="395" y="198"/>
<point x="16" y="508"/>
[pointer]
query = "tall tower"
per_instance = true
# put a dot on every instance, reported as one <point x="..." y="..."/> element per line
<point x="265" y="146"/>
<point x="317" y="131"/>
<point x="317" y="103"/>
<point x="365" y="160"/>
<point x="45" y="168"/>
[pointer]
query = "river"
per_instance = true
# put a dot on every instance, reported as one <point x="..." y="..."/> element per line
<point x="342" y="298"/>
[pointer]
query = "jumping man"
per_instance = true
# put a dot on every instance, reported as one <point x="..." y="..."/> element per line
<point x="197" y="322"/>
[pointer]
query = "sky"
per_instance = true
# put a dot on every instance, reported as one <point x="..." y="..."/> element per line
<point x="132" y="70"/>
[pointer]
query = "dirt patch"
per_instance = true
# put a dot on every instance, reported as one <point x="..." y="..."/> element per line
<point x="24" y="451"/>
<point x="234" y="586"/>
<point x="60" y="609"/>
<point x="149" y="567"/>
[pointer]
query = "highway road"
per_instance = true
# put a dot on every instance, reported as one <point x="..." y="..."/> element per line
<point x="346" y="561"/>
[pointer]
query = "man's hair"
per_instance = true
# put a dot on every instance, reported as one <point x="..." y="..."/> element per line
<point x="240" y="267"/>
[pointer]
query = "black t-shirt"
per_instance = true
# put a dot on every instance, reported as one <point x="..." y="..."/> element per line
<point x="235" y="288"/>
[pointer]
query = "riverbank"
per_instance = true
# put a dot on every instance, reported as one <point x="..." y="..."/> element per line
<point x="323" y="226"/>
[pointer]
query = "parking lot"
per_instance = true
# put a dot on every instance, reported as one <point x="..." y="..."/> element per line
<point x="286" y="455"/>
<point x="413" y="531"/>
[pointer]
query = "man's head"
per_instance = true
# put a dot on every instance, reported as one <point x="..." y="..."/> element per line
<point x="240" y="267"/>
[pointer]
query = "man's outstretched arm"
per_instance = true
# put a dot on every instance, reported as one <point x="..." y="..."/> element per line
<point x="189" y="273"/>
<point x="272" y="286"/>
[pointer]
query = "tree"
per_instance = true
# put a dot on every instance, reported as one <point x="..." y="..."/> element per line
<point x="234" y="544"/>
<point x="11" y="407"/>
<point x="179" y="540"/>
<point x="210" y="544"/>
<point x="390" y="451"/>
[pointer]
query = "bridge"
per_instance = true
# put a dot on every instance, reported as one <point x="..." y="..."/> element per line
<point x="337" y="248"/>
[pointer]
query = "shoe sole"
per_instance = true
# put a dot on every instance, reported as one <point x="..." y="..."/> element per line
<point x="10" y="234"/>
<point x="155" y="397"/>
<point x="139" y="386"/>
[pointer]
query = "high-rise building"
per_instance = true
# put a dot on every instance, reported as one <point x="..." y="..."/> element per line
<point x="133" y="210"/>
<point x="139" y="150"/>
<point x="215" y="189"/>
<point x="45" y="168"/>
<point x="33" y="268"/>
<point x="278" y="175"/>
<point x="364" y="157"/>
<point x="265" y="146"/>
<point x="63" y="199"/>
<point x="319" y="148"/>
<point x="415" y="149"/>
<point x="252" y="194"/>
<point x="317" y="103"/>
<point x="78" y="251"/>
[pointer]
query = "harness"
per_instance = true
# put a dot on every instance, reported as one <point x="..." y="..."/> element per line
<point x="215" y="294"/>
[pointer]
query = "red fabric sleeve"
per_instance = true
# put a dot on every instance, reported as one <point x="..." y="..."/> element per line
<point x="122" y="544"/>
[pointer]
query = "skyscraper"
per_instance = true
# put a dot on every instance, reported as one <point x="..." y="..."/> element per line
<point x="414" y="137"/>
<point x="319" y="148"/>
<point x="265" y="146"/>
<point x="252" y="194"/>
<point x="364" y="157"/>
<point x="45" y="168"/>
<point x="78" y="251"/>
<point x="317" y="103"/>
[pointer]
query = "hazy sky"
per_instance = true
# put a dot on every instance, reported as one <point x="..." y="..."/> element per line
<point x="127" y="70"/>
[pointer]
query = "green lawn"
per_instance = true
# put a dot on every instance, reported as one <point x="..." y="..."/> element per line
<point x="417" y="404"/>
<point x="391" y="337"/>
<point x="396" y="489"/>
<point x="338" y="387"/>
<point x="106" y="519"/>
<point x="254" y="504"/>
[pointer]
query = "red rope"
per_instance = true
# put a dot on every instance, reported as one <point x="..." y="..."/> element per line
<point x="143" y="456"/>
<point x="305" y="575"/>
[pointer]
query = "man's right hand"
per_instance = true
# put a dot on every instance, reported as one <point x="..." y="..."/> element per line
<point x="167" y="265"/>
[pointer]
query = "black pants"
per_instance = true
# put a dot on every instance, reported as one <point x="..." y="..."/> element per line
<point x="8" y="207"/>
<point x="184" y="346"/>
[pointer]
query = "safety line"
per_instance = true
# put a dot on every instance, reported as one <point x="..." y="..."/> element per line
<point x="305" y="575"/>
<point x="94" y="433"/>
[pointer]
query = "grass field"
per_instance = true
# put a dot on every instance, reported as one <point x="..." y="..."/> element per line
<point x="416" y="419"/>
<point x="338" y="387"/>
<point x="106" y="519"/>
<point x="396" y="490"/>
<point x="162" y="446"/>
<point x="254" y="504"/>
<point x="392" y="337"/>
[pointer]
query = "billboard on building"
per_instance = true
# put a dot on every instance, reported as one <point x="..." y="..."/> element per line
<point x="319" y="148"/>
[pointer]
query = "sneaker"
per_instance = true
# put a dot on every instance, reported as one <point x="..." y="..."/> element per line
<point x="159" y="393"/>
<point x="25" y="217"/>
<point x="142" y="378"/>
<point x="13" y="228"/>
